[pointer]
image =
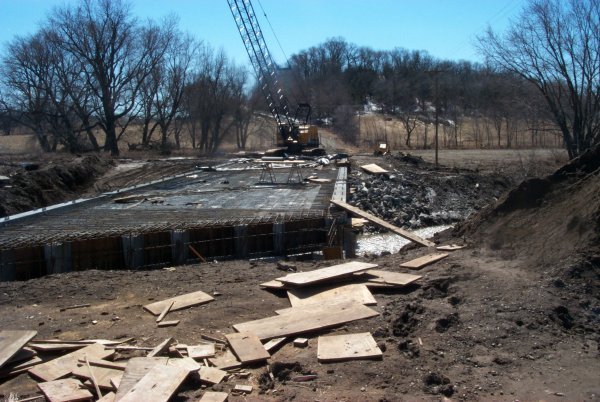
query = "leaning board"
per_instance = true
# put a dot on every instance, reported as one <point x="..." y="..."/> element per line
<point x="247" y="347"/>
<point x="347" y="347"/>
<point x="11" y="342"/>
<point x="179" y="302"/>
<point x="420" y="262"/>
<point x="352" y="292"/>
<point x="324" y="274"/>
<point x="305" y="320"/>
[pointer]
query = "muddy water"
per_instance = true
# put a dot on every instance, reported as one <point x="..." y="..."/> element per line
<point x="377" y="243"/>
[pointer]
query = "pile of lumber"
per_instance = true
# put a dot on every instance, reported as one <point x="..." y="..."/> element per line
<point x="320" y="299"/>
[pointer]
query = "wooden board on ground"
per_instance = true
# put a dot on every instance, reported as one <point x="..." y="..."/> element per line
<point x="201" y="351"/>
<point x="274" y="284"/>
<point x="169" y="323"/>
<point x="11" y="342"/>
<point x="180" y="302"/>
<point x="110" y="397"/>
<point x="274" y="343"/>
<point x="305" y="320"/>
<point x="102" y="375"/>
<point x="212" y="375"/>
<point x="67" y="390"/>
<point x="161" y="347"/>
<point x="353" y="292"/>
<point x="374" y="169"/>
<point x="391" y="278"/>
<point x="450" y="247"/>
<point x="137" y="367"/>
<point x="105" y="363"/>
<point x="325" y="274"/>
<point x="380" y="222"/>
<point x="18" y="367"/>
<point x="23" y="354"/>
<point x="247" y="347"/>
<point x="158" y="385"/>
<point x="225" y="361"/>
<point x="210" y="396"/>
<point x="186" y="363"/>
<point x="64" y="365"/>
<point x="347" y="347"/>
<point x="54" y="347"/>
<point x="420" y="262"/>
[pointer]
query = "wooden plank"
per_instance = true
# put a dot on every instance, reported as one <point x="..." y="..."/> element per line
<point x="201" y="351"/>
<point x="325" y="274"/>
<point x="374" y="169"/>
<point x="225" y="361"/>
<point x="211" y="396"/>
<point x="165" y="311"/>
<point x="54" y="347"/>
<point x="19" y="367"/>
<point x="244" y="389"/>
<point x="450" y="247"/>
<point x="247" y="347"/>
<point x="164" y="345"/>
<point x="353" y="292"/>
<point x="11" y="342"/>
<point x="23" y="354"/>
<point x="102" y="375"/>
<point x="170" y="323"/>
<point x="158" y="385"/>
<point x="301" y="320"/>
<point x="420" y="262"/>
<point x="347" y="347"/>
<point x="137" y="367"/>
<point x="110" y="397"/>
<point x="105" y="363"/>
<point x="64" y="365"/>
<point x="180" y="302"/>
<point x="391" y="278"/>
<point x="212" y="375"/>
<point x="274" y="284"/>
<point x="380" y="222"/>
<point x="67" y="390"/>
<point x="116" y="382"/>
<point x="185" y="363"/>
<point x="274" y="343"/>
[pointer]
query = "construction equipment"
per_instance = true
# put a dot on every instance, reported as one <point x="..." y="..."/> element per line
<point x="295" y="134"/>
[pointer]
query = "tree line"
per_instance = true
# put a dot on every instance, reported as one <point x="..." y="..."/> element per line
<point x="94" y="67"/>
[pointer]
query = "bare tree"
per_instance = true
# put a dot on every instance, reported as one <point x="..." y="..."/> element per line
<point x="556" y="46"/>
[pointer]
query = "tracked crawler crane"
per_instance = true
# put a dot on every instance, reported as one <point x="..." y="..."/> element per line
<point x="294" y="132"/>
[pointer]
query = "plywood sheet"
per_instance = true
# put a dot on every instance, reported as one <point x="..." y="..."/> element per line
<point x="11" y="342"/>
<point x="325" y="274"/>
<point x="212" y="375"/>
<point x="247" y="347"/>
<point x="158" y="385"/>
<point x="421" y="262"/>
<point x="101" y="374"/>
<point x="353" y="292"/>
<point x="301" y="320"/>
<point x="374" y="169"/>
<point x="136" y="369"/>
<point x="210" y="396"/>
<point x="391" y="278"/>
<point x="201" y="351"/>
<point x="347" y="347"/>
<point x="67" y="390"/>
<point x="380" y="222"/>
<point x="180" y="302"/>
<point x="64" y="365"/>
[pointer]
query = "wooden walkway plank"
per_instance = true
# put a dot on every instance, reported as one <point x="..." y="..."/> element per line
<point x="421" y="262"/>
<point x="380" y="222"/>
<point x="325" y="274"/>
<point x="67" y="390"/>
<point x="179" y="302"/>
<point x="314" y="295"/>
<point x="247" y="347"/>
<point x="305" y="320"/>
<point x="11" y="342"/>
<point x="64" y="365"/>
<point x="158" y="385"/>
<point x="347" y="347"/>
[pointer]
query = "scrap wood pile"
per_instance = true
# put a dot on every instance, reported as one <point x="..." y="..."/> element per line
<point x="320" y="299"/>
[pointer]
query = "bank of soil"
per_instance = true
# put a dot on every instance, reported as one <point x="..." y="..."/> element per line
<point x="513" y="316"/>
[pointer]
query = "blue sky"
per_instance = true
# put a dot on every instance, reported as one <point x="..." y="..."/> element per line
<point x="445" y="28"/>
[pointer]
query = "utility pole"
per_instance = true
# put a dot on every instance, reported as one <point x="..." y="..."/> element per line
<point x="435" y="74"/>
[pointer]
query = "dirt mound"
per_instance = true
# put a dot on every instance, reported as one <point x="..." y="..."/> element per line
<point x="54" y="183"/>
<point x="546" y="220"/>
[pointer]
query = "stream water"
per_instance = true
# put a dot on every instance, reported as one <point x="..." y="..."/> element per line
<point x="377" y="243"/>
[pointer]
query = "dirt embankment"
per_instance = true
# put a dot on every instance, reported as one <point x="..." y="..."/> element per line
<point x="51" y="183"/>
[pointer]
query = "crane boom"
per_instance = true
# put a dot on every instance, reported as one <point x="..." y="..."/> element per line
<point x="260" y="57"/>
